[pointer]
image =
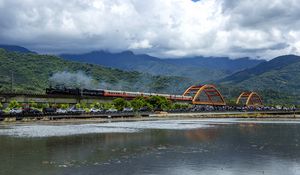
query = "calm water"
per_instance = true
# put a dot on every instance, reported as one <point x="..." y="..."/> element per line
<point x="175" y="147"/>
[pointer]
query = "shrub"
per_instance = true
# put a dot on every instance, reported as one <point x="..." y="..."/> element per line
<point x="33" y="104"/>
<point x="14" y="104"/>
<point x="97" y="105"/>
<point x="45" y="105"/>
<point x="78" y="105"/>
<point x="83" y="105"/>
<point x="180" y="106"/>
<point x="64" y="106"/>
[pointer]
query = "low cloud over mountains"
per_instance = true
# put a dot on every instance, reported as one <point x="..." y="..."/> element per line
<point x="169" y="28"/>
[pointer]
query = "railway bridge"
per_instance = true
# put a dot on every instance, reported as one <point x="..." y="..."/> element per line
<point x="5" y="98"/>
<point x="206" y="94"/>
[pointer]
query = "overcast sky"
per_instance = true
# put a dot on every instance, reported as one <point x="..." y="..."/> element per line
<point x="164" y="28"/>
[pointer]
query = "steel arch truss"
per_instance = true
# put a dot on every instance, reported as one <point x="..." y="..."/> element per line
<point x="205" y="95"/>
<point x="250" y="99"/>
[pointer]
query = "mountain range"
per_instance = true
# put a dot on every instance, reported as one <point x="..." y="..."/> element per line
<point x="201" y="69"/>
<point x="278" y="80"/>
<point x="14" y="48"/>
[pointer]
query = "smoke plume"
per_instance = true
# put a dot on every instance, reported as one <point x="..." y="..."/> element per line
<point x="72" y="80"/>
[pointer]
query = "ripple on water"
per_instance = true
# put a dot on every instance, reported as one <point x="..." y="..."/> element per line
<point x="38" y="130"/>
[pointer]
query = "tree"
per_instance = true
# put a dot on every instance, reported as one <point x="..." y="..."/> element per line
<point x="120" y="103"/>
<point x="53" y="105"/>
<point x="1" y="106"/>
<point x="138" y="103"/>
<point x="83" y="105"/>
<point x="97" y="105"/>
<point x="159" y="102"/>
<point x="78" y="106"/>
<point x="45" y="105"/>
<point x="108" y="106"/>
<point x="14" y="104"/>
<point x="33" y="104"/>
<point x="64" y="106"/>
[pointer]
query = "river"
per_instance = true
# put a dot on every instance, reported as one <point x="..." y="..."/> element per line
<point x="172" y="147"/>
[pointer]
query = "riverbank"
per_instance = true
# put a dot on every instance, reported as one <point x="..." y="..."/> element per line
<point x="153" y="116"/>
<point x="255" y="114"/>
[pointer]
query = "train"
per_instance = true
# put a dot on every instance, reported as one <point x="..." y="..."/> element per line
<point x="111" y="93"/>
<point x="73" y="91"/>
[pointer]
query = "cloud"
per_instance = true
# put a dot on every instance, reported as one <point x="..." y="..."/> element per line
<point x="140" y="45"/>
<point x="169" y="28"/>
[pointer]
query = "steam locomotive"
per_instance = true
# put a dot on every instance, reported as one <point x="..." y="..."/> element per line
<point x="111" y="93"/>
<point x="73" y="91"/>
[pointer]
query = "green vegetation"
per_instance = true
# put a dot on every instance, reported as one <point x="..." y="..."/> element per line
<point x="14" y="104"/>
<point x="154" y="102"/>
<point x="139" y="102"/>
<point x="63" y="106"/>
<point x="31" y="73"/>
<point x="120" y="103"/>
<point x="44" y="105"/>
<point x="97" y="105"/>
<point x="180" y="106"/>
<point x="277" y="81"/>
<point x="33" y="104"/>
<point x="1" y="106"/>
<point x="158" y="102"/>
<point x="81" y="105"/>
<point x="270" y="97"/>
<point x="196" y="68"/>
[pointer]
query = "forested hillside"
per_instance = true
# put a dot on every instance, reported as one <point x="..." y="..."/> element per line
<point x="32" y="72"/>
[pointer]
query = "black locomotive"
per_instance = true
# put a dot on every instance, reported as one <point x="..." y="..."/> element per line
<point x="74" y="91"/>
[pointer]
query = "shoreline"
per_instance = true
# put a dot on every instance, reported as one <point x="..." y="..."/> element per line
<point x="272" y="114"/>
<point x="154" y="116"/>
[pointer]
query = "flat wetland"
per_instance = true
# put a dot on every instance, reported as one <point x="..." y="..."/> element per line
<point x="147" y="146"/>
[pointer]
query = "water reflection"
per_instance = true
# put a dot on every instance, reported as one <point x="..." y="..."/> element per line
<point x="208" y="134"/>
<point x="237" y="148"/>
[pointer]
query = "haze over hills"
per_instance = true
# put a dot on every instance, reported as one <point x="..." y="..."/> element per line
<point x="281" y="74"/>
<point x="268" y="77"/>
<point x="32" y="73"/>
<point x="197" y="68"/>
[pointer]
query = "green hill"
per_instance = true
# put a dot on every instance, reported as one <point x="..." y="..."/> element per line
<point x="277" y="80"/>
<point x="279" y="76"/>
<point x="31" y="73"/>
<point x="14" y="48"/>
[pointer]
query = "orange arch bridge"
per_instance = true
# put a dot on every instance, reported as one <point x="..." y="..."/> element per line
<point x="249" y="99"/>
<point x="205" y="95"/>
